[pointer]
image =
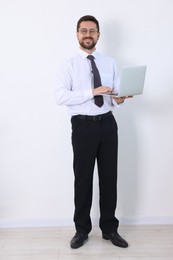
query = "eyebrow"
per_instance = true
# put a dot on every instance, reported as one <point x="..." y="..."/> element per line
<point x="88" y="28"/>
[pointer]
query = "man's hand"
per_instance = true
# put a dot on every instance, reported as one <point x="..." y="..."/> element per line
<point x="120" y="100"/>
<point x="101" y="90"/>
<point x="107" y="90"/>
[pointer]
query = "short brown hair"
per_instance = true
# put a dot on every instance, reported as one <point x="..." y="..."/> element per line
<point x="88" y="18"/>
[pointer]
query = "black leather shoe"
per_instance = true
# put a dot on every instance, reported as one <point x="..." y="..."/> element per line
<point x="78" y="240"/>
<point x="116" y="239"/>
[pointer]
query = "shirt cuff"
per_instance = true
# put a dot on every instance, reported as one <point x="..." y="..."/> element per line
<point x="88" y="94"/>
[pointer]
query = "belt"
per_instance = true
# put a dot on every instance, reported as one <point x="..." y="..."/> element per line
<point x="93" y="118"/>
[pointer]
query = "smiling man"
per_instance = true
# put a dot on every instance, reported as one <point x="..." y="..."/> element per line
<point x="81" y="81"/>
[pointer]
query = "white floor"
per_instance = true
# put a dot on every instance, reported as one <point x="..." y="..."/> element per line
<point x="145" y="243"/>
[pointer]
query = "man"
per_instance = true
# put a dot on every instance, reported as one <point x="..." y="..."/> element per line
<point x="94" y="131"/>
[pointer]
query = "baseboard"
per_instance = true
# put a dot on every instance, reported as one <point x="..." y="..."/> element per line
<point x="147" y="221"/>
<point x="12" y="223"/>
<point x="15" y="223"/>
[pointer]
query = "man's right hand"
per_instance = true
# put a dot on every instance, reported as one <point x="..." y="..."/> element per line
<point x="101" y="90"/>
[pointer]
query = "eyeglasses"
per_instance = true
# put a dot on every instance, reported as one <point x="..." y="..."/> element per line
<point x="84" y="31"/>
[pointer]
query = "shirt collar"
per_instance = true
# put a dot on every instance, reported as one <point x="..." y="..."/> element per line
<point x="84" y="54"/>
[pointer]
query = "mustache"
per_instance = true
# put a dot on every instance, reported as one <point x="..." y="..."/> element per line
<point x="88" y="38"/>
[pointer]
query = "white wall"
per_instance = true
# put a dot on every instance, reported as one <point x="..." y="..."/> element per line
<point x="36" y="176"/>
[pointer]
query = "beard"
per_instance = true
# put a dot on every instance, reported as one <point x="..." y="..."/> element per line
<point x="88" y="46"/>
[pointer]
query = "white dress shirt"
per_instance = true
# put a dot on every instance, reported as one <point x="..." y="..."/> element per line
<point x="74" y="83"/>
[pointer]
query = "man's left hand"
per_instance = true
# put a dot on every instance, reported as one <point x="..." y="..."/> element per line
<point x="120" y="100"/>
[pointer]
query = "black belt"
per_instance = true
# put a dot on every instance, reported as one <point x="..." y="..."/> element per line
<point x="93" y="118"/>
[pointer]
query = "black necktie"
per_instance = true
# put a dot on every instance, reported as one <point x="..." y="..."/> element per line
<point x="97" y="81"/>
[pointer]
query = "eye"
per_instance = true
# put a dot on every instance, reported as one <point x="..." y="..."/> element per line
<point x="83" y="31"/>
<point x="93" y="31"/>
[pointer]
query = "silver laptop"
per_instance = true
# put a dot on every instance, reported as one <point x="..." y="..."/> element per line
<point x="131" y="81"/>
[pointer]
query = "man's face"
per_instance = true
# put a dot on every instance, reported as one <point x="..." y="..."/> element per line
<point x="88" y="35"/>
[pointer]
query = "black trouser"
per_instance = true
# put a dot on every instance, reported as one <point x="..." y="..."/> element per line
<point x="95" y="140"/>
